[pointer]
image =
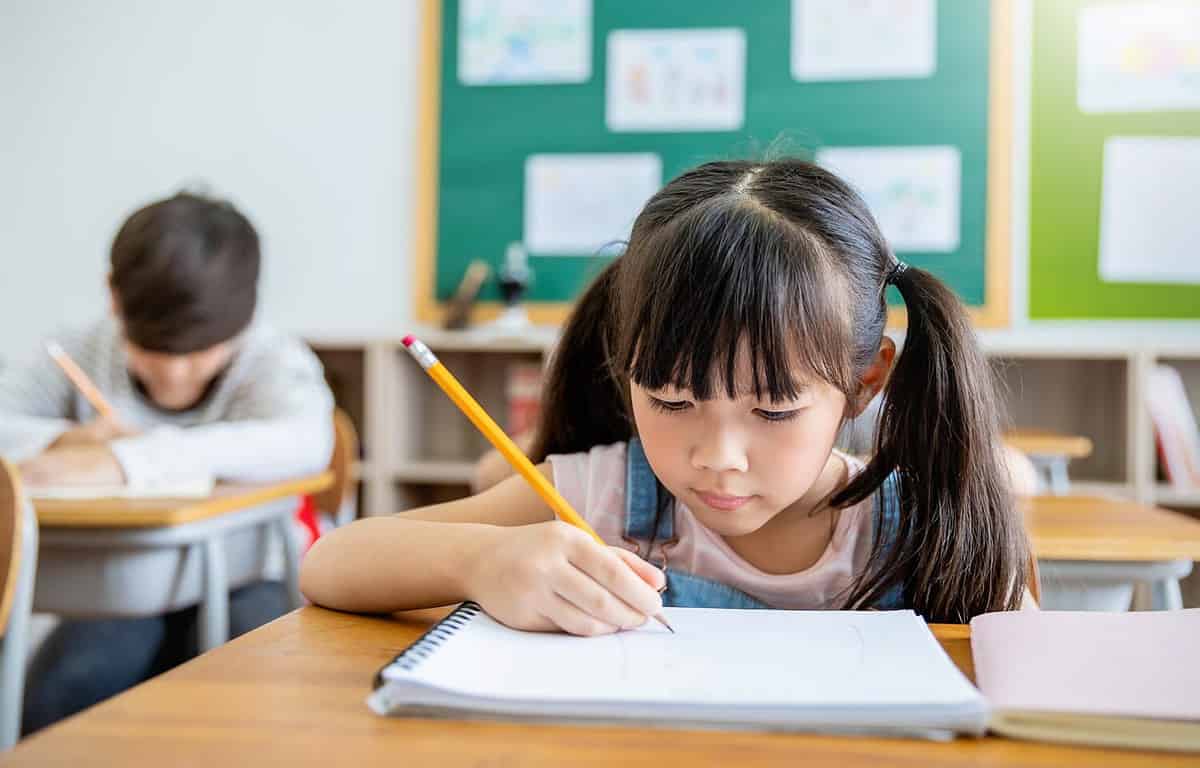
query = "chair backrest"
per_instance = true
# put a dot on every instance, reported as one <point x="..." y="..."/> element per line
<point x="11" y="511"/>
<point x="345" y="454"/>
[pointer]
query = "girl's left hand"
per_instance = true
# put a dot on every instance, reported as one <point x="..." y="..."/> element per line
<point x="74" y="465"/>
<point x="96" y="432"/>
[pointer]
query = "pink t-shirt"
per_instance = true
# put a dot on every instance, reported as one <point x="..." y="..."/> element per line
<point x="594" y="484"/>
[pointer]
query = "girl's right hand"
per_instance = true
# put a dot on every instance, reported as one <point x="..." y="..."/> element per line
<point x="552" y="576"/>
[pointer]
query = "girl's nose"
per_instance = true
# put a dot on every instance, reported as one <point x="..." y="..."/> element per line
<point x="720" y="451"/>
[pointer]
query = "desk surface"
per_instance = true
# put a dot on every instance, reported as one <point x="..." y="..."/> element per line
<point x="293" y="693"/>
<point x="1094" y="528"/>
<point x="152" y="513"/>
<point x="1043" y="442"/>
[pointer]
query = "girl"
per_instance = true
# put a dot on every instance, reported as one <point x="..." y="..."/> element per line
<point x="689" y="416"/>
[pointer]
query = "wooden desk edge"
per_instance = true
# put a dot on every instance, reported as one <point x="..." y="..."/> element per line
<point x="99" y="513"/>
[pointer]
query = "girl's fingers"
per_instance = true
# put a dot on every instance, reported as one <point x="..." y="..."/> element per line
<point x="649" y="572"/>
<point x="569" y="618"/>
<point x="617" y="576"/>
<point x="586" y="594"/>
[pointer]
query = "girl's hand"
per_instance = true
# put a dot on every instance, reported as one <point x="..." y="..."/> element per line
<point x="97" y="432"/>
<point x="73" y="465"/>
<point x="553" y="576"/>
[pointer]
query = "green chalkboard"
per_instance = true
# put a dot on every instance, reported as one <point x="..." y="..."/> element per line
<point x="1066" y="174"/>
<point x="482" y="136"/>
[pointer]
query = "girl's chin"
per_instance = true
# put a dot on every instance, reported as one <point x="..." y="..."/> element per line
<point x="732" y="524"/>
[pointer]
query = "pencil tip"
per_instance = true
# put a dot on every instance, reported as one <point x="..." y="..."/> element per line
<point x="663" y="621"/>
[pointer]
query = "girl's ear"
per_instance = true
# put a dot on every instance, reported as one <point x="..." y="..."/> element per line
<point x="874" y="377"/>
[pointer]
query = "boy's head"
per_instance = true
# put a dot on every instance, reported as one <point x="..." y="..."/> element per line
<point x="184" y="284"/>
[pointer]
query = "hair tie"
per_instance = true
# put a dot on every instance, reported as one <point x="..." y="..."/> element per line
<point x="898" y="268"/>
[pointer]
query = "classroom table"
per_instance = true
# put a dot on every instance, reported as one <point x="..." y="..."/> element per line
<point x="147" y="557"/>
<point x="294" y="693"/>
<point x="1050" y="453"/>
<point x="1096" y="552"/>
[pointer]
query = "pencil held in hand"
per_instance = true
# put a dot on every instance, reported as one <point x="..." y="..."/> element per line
<point x="496" y="436"/>
<point x="81" y="381"/>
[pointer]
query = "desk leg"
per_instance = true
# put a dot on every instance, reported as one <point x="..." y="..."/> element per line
<point x="1060" y="484"/>
<point x="1165" y="595"/>
<point x="291" y="561"/>
<point x="214" y="611"/>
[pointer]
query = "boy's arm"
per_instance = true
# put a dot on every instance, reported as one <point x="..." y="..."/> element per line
<point x="280" y="425"/>
<point x="35" y="407"/>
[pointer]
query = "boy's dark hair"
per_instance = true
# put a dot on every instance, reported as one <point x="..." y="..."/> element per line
<point x="185" y="274"/>
<point x="786" y="258"/>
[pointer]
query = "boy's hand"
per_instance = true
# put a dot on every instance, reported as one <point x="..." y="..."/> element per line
<point x="74" y="465"/>
<point x="97" y="432"/>
<point x="553" y="576"/>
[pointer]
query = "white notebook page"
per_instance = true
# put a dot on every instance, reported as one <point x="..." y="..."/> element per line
<point x="734" y="657"/>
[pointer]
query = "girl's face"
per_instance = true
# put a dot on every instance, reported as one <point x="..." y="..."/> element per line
<point x="737" y="463"/>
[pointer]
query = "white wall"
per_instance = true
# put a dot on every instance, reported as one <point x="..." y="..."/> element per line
<point x="300" y="111"/>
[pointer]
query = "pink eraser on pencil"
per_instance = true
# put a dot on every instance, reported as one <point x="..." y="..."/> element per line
<point x="408" y="340"/>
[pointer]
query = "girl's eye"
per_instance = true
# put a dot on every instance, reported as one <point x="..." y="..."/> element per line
<point x="669" y="406"/>
<point x="777" y="416"/>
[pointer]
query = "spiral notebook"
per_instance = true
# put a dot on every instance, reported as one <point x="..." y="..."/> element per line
<point x="838" y="671"/>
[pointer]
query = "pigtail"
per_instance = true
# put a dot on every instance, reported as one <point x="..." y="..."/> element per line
<point x="583" y="402"/>
<point x="960" y="547"/>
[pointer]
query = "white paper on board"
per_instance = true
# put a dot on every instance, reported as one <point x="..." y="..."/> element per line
<point x="863" y="39"/>
<point x="1139" y="56"/>
<point x="577" y="203"/>
<point x="1150" y="210"/>
<point x="514" y="42"/>
<point x="913" y="192"/>
<point x="676" y="80"/>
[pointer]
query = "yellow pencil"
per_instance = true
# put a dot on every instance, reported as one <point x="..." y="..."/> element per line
<point x="81" y="381"/>
<point x="496" y="436"/>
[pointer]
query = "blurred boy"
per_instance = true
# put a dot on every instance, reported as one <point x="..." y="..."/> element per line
<point x="196" y="389"/>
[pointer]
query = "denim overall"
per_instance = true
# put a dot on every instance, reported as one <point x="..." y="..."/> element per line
<point x="650" y="519"/>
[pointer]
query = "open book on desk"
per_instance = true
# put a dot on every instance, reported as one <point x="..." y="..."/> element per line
<point x="1110" y="679"/>
<point x="839" y="671"/>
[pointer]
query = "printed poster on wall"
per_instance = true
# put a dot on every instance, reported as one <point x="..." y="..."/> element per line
<point x="863" y="39"/>
<point x="676" y="80"/>
<point x="1149" y="215"/>
<point x="913" y="192"/>
<point x="1138" y="57"/>
<point x="575" y="204"/>
<point x="516" y="42"/>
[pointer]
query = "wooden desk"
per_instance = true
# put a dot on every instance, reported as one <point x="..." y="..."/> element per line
<point x="294" y="693"/>
<point x="142" y="557"/>
<point x="1044" y="442"/>
<point x="1100" y="541"/>
<point x="136" y="513"/>
<point x="1097" y="528"/>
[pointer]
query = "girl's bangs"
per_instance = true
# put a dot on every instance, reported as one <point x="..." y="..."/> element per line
<point x="732" y="277"/>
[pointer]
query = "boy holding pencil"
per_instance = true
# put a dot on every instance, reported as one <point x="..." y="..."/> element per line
<point x="178" y="380"/>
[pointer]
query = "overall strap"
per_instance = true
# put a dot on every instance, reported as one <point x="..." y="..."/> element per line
<point x="644" y="520"/>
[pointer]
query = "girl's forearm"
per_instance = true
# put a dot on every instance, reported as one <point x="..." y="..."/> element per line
<point x="388" y="564"/>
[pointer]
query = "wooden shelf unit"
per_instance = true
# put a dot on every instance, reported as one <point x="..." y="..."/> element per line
<point x="418" y="449"/>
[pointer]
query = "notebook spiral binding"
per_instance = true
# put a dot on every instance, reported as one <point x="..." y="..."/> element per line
<point x="426" y="644"/>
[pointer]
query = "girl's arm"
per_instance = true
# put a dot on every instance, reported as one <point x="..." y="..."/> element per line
<point x="502" y="548"/>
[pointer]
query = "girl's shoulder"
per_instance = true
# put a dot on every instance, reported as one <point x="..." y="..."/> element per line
<point x="598" y="458"/>
<point x="593" y="481"/>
